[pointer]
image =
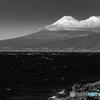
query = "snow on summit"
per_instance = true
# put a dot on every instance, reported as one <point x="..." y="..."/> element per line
<point x="70" y="23"/>
<point x="65" y="19"/>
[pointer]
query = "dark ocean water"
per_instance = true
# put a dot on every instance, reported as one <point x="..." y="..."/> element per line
<point x="39" y="75"/>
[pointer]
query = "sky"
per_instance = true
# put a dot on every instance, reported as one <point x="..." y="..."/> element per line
<point x="23" y="17"/>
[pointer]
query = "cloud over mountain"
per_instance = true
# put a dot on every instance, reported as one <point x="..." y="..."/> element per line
<point x="68" y="22"/>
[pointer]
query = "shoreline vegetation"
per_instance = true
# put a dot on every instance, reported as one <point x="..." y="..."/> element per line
<point x="78" y="88"/>
<point x="47" y="51"/>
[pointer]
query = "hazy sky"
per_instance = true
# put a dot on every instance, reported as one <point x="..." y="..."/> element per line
<point x="22" y="17"/>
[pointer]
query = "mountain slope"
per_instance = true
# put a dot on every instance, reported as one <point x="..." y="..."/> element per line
<point x="46" y="40"/>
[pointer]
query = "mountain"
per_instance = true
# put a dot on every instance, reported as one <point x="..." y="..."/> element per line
<point x="54" y="40"/>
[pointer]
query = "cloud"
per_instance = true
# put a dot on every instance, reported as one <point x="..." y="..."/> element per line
<point x="92" y="22"/>
<point x="68" y="22"/>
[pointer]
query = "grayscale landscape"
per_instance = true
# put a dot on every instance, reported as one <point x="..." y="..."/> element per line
<point x="49" y="49"/>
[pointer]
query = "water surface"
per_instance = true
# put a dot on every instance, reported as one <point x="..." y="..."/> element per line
<point x="41" y="74"/>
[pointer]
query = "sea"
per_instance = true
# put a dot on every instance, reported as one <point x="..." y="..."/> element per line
<point x="40" y="75"/>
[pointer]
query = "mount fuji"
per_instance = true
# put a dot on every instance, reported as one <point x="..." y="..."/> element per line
<point x="65" y="35"/>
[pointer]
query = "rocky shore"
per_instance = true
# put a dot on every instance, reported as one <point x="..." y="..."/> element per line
<point x="78" y="88"/>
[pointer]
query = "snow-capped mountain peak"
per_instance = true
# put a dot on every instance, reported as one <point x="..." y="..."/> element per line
<point x="64" y="20"/>
<point x="70" y="23"/>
